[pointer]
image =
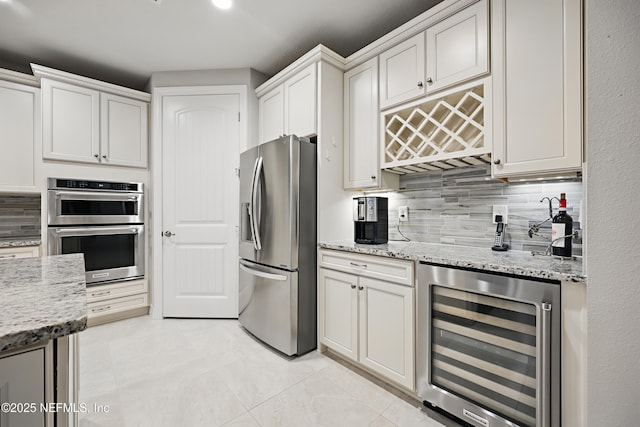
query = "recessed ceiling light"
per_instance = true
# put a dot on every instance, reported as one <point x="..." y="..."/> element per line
<point x="222" y="4"/>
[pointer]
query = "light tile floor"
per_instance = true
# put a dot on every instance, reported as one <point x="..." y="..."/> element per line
<point x="196" y="372"/>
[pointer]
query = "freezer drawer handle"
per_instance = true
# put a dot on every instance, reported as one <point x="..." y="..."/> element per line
<point x="263" y="274"/>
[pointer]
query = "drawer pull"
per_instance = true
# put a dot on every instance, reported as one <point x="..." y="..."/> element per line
<point x="355" y="264"/>
<point x="100" y="294"/>
<point x="7" y="256"/>
<point x="98" y="310"/>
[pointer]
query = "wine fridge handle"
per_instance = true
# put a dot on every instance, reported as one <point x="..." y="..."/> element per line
<point x="544" y="382"/>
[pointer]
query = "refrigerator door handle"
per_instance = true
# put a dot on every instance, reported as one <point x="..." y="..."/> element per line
<point x="247" y="267"/>
<point x="255" y="226"/>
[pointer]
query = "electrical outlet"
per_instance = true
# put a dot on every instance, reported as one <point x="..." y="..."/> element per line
<point x="500" y="210"/>
<point x="403" y="213"/>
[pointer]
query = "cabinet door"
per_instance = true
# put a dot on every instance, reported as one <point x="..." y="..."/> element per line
<point x="20" y="130"/>
<point x="537" y="87"/>
<point x="70" y="122"/>
<point x="22" y="381"/>
<point x="402" y="72"/>
<point x="338" y="312"/>
<point x="123" y="131"/>
<point x="457" y="48"/>
<point x="300" y="103"/>
<point x="387" y="330"/>
<point x="271" y="114"/>
<point x="361" y="164"/>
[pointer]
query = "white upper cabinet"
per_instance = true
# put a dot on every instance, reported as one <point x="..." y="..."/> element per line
<point x="300" y="103"/>
<point x="289" y="108"/>
<point x="271" y="114"/>
<point x="92" y="121"/>
<point x="123" y="131"/>
<point x="20" y="136"/>
<point x="537" y="87"/>
<point x="402" y="72"/>
<point x="458" y="48"/>
<point x="70" y="122"/>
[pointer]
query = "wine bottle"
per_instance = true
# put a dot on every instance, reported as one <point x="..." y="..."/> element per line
<point x="562" y="226"/>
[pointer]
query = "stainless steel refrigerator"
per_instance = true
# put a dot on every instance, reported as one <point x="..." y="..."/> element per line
<point x="277" y="301"/>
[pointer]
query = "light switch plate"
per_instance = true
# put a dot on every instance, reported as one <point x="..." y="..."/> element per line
<point x="500" y="210"/>
<point x="403" y="213"/>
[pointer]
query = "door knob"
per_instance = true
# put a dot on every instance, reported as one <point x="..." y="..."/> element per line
<point x="168" y="234"/>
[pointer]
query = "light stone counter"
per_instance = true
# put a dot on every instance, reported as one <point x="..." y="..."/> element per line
<point x="41" y="299"/>
<point x="509" y="262"/>
<point x="14" y="243"/>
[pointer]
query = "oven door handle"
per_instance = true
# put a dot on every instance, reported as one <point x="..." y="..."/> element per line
<point x="75" y="231"/>
<point x="544" y="384"/>
<point x="88" y="195"/>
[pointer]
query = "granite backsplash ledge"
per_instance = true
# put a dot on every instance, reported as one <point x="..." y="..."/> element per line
<point x="19" y="218"/>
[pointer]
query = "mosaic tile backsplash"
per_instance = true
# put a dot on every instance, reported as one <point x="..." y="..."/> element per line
<point x="19" y="217"/>
<point x="455" y="207"/>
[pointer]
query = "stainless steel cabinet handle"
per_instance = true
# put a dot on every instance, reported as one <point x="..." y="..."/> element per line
<point x="429" y="80"/>
<point x="168" y="234"/>
<point x="354" y="264"/>
<point x="420" y="85"/>
<point x="98" y="310"/>
<point x="100" y="294"/>
<point x="496" y="162"/>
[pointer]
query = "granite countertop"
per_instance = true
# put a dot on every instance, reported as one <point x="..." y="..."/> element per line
<point x="41" y="299"/>
<point x="11" y="243"/>
<point x="510" y="262"/>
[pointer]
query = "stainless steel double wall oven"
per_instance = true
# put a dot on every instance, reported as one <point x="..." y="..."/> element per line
<point x="104" y="221"/>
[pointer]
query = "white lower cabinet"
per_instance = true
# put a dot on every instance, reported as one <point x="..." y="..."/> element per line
<point x="19" y="252"/>
<point x="368" y="320"/>
<point x="116" y="301"/>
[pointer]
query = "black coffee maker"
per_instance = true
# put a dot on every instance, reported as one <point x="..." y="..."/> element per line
<point x="371" y="220"/>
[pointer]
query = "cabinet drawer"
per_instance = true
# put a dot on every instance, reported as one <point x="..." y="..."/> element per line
<point x="381" y="268"/>
<point x="115" y="290"/>
<point x="116" y="305"/>
<point x="19" y="252"/>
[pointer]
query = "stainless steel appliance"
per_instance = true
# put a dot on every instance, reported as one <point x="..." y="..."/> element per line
<point x="370" y="220"/>
<point x="488" y="346"/>
<point x="104" y="221"/>
<point x="278" y="244"/>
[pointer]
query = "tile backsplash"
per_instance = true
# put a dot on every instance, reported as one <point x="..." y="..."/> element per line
<point x="455" y="207"/>
<point x="19" y="217"/>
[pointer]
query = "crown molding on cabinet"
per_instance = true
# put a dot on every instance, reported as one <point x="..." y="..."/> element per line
<point x="15" y="77"/>
<point x="420" y="23"/>
<point x="40" y="72"/>
<point x="318" y="53"/>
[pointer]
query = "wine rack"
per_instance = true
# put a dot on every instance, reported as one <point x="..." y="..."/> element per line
<point x="440" y="132"/>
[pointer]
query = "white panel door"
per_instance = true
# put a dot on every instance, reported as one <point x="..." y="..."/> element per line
<point x="338" y="312"/>
<point x="386" y="329"/>
<point x="200" y="152"/>
<point x="402" y="72"/>
<point x="457" y="48"/>
<point x="124" y="131"/>
<point x="271" y="115"/>
<point x="300" y="103"/>
<point x="70" y="122"/>
<point x="20" y="130"/>
<point x="22" y="382"/>
<point x="361" y="165"/>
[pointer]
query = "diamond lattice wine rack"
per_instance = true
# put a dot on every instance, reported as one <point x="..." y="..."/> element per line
<point x="444" y="131"/>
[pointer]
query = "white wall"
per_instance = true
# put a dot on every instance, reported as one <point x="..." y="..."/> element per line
<point x="613" y="224"/>
<point x="231" y="76"/>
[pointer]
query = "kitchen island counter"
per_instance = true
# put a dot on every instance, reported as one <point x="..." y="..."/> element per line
<point x="41" y="299"/>
<point x="510" y="262"/>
